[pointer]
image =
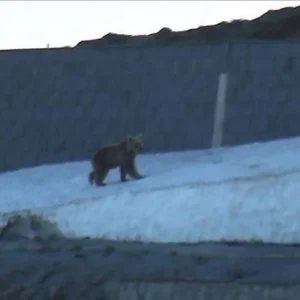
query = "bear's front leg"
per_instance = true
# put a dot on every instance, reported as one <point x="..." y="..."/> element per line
<point x="123" y="174"/>
<point x="134" y="173"/>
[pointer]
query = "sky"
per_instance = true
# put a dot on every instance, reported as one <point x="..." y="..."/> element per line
<point x="38" y="24"/>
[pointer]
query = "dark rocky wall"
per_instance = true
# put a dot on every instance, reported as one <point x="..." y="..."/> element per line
<point x="62" y="104"/>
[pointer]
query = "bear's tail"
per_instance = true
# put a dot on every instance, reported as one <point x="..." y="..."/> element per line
<point x="91" y="177"/>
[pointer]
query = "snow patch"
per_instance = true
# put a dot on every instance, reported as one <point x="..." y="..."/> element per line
<point x="249" y="192"/>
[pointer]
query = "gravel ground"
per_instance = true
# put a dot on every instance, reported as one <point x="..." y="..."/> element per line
<point x="59" y="268"/>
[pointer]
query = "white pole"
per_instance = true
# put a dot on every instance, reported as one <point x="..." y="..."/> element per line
<point x="220" y="111"/>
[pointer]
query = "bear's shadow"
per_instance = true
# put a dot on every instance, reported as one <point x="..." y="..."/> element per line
<point x="114" y="182"/>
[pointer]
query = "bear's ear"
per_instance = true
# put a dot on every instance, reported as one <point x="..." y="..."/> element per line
<point x="140" y="136"/>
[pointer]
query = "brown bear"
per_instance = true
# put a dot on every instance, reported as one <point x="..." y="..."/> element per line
<point x="120" y="155"/>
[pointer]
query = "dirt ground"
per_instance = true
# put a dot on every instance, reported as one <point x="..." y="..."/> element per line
<point x="99" y="269"/>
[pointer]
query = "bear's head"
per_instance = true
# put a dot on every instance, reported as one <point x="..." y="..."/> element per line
<point x="135" y="143"/>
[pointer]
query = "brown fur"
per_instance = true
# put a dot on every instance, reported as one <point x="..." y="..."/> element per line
<point x="120" y="155"/>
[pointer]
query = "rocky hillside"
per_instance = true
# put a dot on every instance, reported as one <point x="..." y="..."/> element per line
<point x="274" y="24"/>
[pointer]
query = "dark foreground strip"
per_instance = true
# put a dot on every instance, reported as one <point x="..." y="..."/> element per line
<point x="37" y="262"/>
<point x="98" y="269"/>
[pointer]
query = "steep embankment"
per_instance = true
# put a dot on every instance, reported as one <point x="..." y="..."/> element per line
<point x="274" y="24"/>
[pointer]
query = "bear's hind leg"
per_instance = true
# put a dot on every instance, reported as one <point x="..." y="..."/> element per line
<point x="91" y="177"/>
<point x="100" y="175"/>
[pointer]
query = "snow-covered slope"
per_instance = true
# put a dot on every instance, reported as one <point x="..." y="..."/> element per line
<point x="249" y="192"/>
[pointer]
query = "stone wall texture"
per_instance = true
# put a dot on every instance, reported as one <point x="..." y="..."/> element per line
<point x="60" y="105"/>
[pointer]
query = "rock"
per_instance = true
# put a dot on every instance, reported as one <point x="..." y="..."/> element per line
<point x="29" y="227"/>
